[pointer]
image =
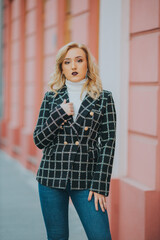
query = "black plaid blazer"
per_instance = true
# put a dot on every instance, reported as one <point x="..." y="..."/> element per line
<point x="82" y="150"/>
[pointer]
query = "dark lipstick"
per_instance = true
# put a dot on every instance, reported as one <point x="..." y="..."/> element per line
<point x="74" y="73"/>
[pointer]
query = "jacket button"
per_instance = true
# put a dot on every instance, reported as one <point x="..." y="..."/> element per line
<point x="61" y="127"/>
<point x="86" y="128"/>
<point x="91" y="113"/>
<point x="65" y="120"/>
<point x="65" y="142"/>
<point x="63" y="123"/>
<point x="76" y="142"/>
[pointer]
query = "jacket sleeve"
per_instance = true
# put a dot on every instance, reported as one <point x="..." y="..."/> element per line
<point x="102" y="174"/>
<point x="48" y="123"/>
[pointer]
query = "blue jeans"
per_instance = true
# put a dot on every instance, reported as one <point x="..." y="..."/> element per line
<point x="54" y="205"/>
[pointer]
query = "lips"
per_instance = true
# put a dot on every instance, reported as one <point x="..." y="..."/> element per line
<point x="74" y="73"/>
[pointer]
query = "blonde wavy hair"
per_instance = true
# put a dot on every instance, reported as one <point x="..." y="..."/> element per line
<point x="93" y="85"/>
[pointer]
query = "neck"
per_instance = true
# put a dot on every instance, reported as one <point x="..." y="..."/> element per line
<point x="78" y="83"/>
<point x="75" y="85"/>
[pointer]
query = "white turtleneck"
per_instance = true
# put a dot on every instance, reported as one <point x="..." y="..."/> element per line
<point x="74" y="91"/>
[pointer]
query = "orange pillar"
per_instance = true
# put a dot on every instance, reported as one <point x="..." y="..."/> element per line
<point x="61" y="23"/>
<point x="93" y="27"/>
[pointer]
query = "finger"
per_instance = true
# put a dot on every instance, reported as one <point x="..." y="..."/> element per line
<point x="96" y="202"/>
<point x="71" y="109"/>
<point x="101" y="204"/>
<point x="90" y="195"/>
<point x="105" y="203"/>
<point x="71" y="112"/>
<point x="64" y="101"/>
<point x="71" y="106"/>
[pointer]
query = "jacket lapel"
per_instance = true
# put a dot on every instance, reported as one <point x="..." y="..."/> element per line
<point x="85" y="108"/>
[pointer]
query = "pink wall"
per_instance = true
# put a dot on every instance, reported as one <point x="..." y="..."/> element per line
<point x="139" y="196"/>
<point x="80" y="17"/>
<point x="144" y="105"/>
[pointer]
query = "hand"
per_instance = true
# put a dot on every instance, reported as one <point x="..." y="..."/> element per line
<point x="98" y="197"/>
<point x="67" y="107"/>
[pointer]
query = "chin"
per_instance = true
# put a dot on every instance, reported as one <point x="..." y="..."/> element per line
<point x="78" y="79"/>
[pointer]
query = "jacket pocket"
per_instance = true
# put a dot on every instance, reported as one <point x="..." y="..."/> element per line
<point x="93" y="153"/>
<point x="97" y="115"/>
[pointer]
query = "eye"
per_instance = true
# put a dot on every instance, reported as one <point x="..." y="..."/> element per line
<point x="66" y="62"/>
<point x="80" y="60"/>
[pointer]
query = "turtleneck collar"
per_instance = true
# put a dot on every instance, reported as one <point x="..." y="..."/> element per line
<point x="75" y="85"/>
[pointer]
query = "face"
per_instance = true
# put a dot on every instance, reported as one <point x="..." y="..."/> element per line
<point x="74" y="65"/>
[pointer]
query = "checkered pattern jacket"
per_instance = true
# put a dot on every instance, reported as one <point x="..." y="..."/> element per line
<point x="82" y="150"/>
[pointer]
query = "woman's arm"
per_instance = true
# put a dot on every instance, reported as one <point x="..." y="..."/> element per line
<point x="48" y="123"/>
<point x="102" y="174"/>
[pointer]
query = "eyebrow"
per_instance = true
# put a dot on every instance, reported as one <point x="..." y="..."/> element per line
<point x="75" y="57"/>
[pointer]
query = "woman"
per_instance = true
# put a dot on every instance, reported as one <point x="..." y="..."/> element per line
<point x="76" y="129"/>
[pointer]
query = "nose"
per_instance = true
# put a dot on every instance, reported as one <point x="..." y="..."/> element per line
<point x="73" y="65"/>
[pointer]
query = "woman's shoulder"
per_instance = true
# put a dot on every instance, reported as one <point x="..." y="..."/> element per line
<point x="49" y="93"/>
<point x="105" y="93"/>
